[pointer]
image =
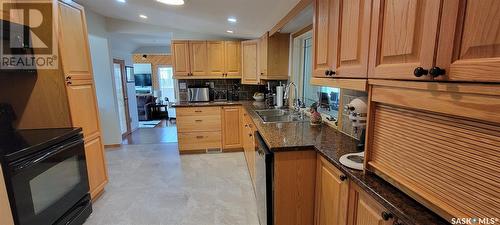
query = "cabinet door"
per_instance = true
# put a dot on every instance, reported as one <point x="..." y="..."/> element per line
<point x="249" y="62"/>
<point x="366" y="211"/>
<point x="73" y="42"/>
<point x="216" y="58"/>
<point x="353" y="38"/>
<point x="231" y="127"/>
<point x="83" y="107"/>
<point x="198" y="57"/>
<point x="232" y="58"/>
<point x="324" y="45"/>
<point x="332" y="191"/>
<point x="262" y="51"/>
<point x="468" y="41"/>
<point x="96" y="166"/>
<point x="180" y="58"/>
<point x="5" y="212"/>
<point x="403" y="38"/>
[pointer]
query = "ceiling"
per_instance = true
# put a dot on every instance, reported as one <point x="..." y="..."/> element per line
<point x="198" y="19"/>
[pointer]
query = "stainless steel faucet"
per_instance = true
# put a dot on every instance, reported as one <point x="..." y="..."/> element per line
<point x="297" y="103"/>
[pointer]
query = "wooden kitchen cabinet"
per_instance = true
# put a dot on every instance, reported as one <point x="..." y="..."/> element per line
<point x="216" y="52"/>
<point x="199" y="129"/>
<point x="403" y="38"/>
<point x="273" y="56"/>
<point x="249" y="144"/>
<point x="5" y="211"/>
<point x="364" y="210"/>
<point x="232" y="59"/>
<point x="80" y="90"/>
<point x="232" y="127"/>
<point x="180" y="58"/>
<point x="249" y="62"/>
<point x="332" y="191"/>
<point x="198" y="58"/>
<point x="468" y="41"/>
<point x="323" y="44"/>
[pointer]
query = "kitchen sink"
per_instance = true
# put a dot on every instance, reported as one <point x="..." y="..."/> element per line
<point x="280" y="116"/>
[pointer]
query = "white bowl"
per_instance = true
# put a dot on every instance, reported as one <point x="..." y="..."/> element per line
<point x="259" y="98"/>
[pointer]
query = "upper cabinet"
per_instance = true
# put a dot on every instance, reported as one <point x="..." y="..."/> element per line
<point x="249" y="61"/>
<point x="232" y="58"/>
<point x="216" y="58"/>
<point x="274" y="56"/>
<point x="198" y="58"/>
<point x="403" y="38"/>
<point x="414" y="40"/>
<point x="468" y="41"/>
<point x="180" y="59"/>
<point x="206" y="59"/>
<point x="341" y="38"/>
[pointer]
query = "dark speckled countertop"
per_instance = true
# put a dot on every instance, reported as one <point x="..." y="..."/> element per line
<point x="332" y="144"/>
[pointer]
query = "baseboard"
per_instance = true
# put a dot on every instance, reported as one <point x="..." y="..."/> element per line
<point x="113" y="146"/>
<point x="233" y="150"/>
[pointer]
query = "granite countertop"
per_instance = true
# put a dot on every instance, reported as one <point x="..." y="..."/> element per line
<point x="332" y="144"/>
<point x="205" y="104"/>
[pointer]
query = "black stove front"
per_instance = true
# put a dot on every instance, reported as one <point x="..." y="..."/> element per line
<point x="46" y="176"/>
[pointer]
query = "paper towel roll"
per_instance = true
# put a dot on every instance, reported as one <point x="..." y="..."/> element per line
<point x="279" y="96"/>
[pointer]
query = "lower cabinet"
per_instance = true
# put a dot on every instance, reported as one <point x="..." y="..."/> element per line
<point x="332" y="189"/>
<point x="364" y="210"/>
<point x="202" y="128"/>
<point x="249" y="144"/>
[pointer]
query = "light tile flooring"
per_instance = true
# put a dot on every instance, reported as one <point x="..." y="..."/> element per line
<point x="151" y="184"/>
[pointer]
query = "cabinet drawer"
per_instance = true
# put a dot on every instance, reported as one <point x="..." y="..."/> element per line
<point x="198" y="123"/>
<point x="197" y="111"/>
<point x="199" y="140"/>
<point x="444" y="152"/>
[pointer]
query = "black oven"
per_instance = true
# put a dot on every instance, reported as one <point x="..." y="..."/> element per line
<point x="46" y="176"/>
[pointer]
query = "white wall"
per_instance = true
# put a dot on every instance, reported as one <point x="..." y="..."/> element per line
<point x="132" y="105"/>
<point x="105" y="90"/>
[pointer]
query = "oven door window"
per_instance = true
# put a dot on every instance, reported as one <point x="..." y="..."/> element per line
<point x="48" y="188"/>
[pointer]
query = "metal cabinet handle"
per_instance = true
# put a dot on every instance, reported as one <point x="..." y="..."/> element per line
<point x="199" y="137"/>
<point x="343" y="177"/>
<point x="198" y="120"/>
<point x="387" y="216"/>
<point x="436" y="71"/>
<point x="198" y="111"/>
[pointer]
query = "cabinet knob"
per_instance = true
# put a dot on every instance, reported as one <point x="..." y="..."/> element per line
<point x="327" y="72"/>
<point x="419" y="71"/>
<point x="343" y="177"/>
<point x="387" y="216"/>
<point x="436" y="71"/>
<point x="331" y="73"/>
<point x="68" y="78"/>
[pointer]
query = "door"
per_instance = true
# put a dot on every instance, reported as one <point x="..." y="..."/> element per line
<point x="249" y="65"/>
<point x="180" y="56"/>
<point x="324" y="26"/>
<point x="332" y="189"/>
<point x="232" y="58"/>
<point x="216" y="58"/>
<point x="122" y="96"/>
<point x="403" y="38"/>
<point x="353" y="38"/>
<point x="469" y="41"/>
<point x="198" y="58"/>
<point x="73" y="42"/>
<point x="263" y="46"/>
<point x="231" y="127"/>
<point x="366" y="211"/>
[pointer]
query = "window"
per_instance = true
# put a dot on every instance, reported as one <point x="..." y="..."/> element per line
<point x="327" y="98"/>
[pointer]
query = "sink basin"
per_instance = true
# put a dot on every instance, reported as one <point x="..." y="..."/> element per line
<point x="280" y="116"/>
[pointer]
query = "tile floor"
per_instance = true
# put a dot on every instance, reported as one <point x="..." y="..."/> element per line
<point x="151" y="184"/>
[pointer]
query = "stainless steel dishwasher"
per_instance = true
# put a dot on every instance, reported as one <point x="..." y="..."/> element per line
<point x="264" y="181"/>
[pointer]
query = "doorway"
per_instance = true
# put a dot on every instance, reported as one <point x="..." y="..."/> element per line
<point x="122" y="96"/>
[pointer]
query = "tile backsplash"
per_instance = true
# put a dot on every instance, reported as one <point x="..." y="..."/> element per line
<point x="245" y="92"/>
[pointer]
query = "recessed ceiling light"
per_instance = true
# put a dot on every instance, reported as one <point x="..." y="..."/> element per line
<point x="121" y="1"/>
<point x="171" y="2"/>
<point x="232" y="20"/>
<point x="230" y="31"/>
<point x="143" y="16"/>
